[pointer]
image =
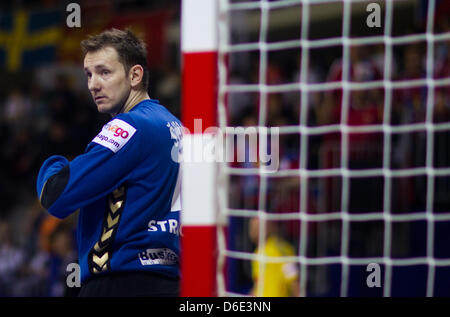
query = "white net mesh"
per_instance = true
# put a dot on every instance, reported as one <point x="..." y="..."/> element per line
<point x="363" y="124"/>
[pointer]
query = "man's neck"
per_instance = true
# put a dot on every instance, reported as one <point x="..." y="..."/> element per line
<point x="134" y="98"/>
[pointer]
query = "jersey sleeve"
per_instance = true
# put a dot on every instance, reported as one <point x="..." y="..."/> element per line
<point x="64" y="186"/>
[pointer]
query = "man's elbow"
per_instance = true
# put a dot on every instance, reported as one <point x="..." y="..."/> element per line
<point x="52" y="190"/>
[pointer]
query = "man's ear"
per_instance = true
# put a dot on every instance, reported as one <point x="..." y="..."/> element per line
<point x="136" y="75"/>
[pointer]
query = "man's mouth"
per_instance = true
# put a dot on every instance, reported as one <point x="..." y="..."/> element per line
<point x="99" y="98"/>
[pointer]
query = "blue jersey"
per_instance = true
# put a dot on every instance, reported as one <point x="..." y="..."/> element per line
<point x="127" y="188"/>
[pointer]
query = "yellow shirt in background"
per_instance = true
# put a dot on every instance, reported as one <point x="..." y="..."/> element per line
<point x="278" y="276"/>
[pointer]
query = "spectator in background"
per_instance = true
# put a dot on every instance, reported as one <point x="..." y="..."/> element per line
<point x="168" y="88"/>
<point x="22" y="158"/>
<point x="409" y="103"/>
<point x="34" y="279"/>
<point x="50" y="251"/>
<point x="57" y="137"/>
<point x="409" y="106"/>
<point x="281" y="279"/>
<point x="11" y="259"/>
<point x="62" y="102"/>
<point x="41" y="119"/>
<point x="18" y="109"/>
<point x="362" y="68"/>
<point x="61" y="255"/>
<point x="442" y="70"/>
<point x="442" y="107"/>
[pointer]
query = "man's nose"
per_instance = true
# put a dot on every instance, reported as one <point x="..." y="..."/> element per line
<point x="94" y="83"/>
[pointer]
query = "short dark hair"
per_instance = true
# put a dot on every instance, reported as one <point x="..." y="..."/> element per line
<point x="131" y="49"/>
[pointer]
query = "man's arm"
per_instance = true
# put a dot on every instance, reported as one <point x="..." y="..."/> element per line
<point x="52" y="179"/>
<point x="64" y="186"/>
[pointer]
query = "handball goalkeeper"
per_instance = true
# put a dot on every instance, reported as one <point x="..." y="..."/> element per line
<point x="126" y="183"/>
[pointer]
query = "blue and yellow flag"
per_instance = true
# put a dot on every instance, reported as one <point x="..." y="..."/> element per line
<point x="28" y="39"/>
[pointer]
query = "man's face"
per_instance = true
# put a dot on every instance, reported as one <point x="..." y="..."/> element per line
<point x="107" y="80"/>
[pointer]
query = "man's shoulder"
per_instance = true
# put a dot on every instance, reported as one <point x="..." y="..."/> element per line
<point x="148" y="115"/>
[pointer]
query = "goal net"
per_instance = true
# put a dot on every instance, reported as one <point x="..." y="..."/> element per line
<point x="332" y="168"/>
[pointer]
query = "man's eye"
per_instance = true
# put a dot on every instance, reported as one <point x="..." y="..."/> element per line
<point x="105" y="72"/>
